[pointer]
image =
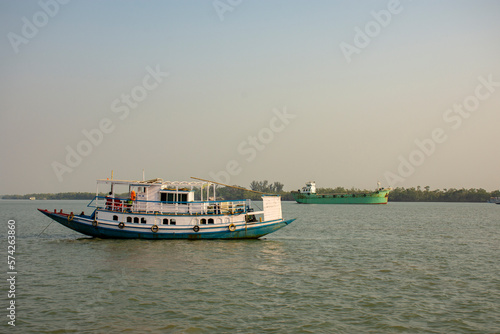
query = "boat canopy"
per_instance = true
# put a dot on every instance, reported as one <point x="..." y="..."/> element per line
<point x="159" y="185"/>
<point x="153" y="182"/>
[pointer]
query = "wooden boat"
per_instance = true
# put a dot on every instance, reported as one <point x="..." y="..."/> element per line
<point x="157" y="209"/>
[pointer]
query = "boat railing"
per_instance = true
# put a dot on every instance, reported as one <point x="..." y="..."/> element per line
<point x="188" y="208"/>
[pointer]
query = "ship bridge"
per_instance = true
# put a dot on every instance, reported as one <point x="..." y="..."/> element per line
<point x="310" y="188"/>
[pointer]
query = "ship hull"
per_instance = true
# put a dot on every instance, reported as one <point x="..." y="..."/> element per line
<point x="90" y="226"/>
<point x="378" y="197"/>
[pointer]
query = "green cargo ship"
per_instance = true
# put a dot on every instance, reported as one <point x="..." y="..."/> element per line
<point x="307" y="195"/>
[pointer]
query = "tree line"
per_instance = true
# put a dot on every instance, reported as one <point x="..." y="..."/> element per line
<point x="57" y="196"/>
<point x="399" y="194"/>
<point x="446" y="195"/>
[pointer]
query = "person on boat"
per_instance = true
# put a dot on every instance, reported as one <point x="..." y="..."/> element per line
<point x="130" y="202"/>
<point x="109" y="201"/>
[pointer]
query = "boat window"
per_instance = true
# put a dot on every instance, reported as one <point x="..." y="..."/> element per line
<point x="183" y="197"/>
<point x="203" y="221"/>
<point x="172" y="221"/>
<point x="165" y="221"/>
<point x="143" y="220"/>
<point x="136" y="220"/>
<point x="129" y="219"/>
<point x="115" y="217"/>
<point x="219" y="221"/>
<point x="163" y="197"/>
<point x="210" y="220"/>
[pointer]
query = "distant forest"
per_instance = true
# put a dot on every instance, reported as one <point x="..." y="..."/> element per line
<point x="418" y="194"/>
<point x="396" y="195"/>
<point x="71" y="195"/>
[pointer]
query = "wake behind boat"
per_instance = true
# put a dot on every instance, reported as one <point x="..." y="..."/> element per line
<point x="157" y="209"/>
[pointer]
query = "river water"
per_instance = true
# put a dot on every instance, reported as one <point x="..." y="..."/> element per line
<point x="395" y="268"/>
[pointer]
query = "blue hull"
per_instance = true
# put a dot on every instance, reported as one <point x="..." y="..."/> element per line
<point x="84" y="224"/>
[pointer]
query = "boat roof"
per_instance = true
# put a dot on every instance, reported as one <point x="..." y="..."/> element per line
<point x="151" y="182"/>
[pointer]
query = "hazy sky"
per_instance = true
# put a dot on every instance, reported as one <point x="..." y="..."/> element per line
<point x="346" y="93"/>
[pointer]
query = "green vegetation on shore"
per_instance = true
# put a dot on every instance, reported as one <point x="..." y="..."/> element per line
<point x="445" y="195"/>
<point x="44" y="196"/>
<point x="396" y="195"/>
<point x="401" y="194"/>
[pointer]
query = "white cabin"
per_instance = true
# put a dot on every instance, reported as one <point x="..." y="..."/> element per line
<point x="310" y="188"/>
<point x="173" y="203"/>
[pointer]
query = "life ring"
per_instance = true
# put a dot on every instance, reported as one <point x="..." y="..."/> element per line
<point x="121" y="225"/>
<point x="154" y="228"/>
<point x="196" y="228"/>
<point x="94" y="223"/>
<point x="231" y="227"/>
<point x="70" y="217"/>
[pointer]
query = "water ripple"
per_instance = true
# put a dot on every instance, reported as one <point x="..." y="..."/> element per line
<point x="400" y="268"/>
